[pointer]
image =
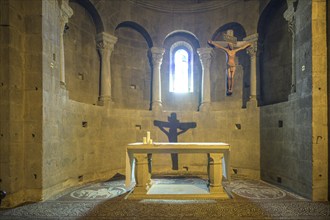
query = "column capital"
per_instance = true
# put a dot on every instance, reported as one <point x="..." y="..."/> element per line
<point x="252" y="50"/>
<point x="289" y="15"/>
<point x="253" y="39"/>
<point x="105" y="41"/>
<point x="157" y="54"/>
<point x="66" y="11"/>
<point x="205" y="53"/>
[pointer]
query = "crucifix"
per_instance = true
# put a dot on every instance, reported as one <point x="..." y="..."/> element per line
<point x="230" y="46"/>
<point x="173" y="126"/>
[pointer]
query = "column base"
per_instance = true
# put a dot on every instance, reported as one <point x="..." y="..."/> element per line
<point x="139" y="190"/>
<point x="62" y="85"/>
<point x="292" y="96"/>
<point x="104" y="101"/>
<point x="253" y="102"/>
<point x="156" y="106"/>
<point x="204" y="107"/>
<point x="216" y="189"/>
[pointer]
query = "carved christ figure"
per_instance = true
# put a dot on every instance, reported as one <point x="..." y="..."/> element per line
<point x="230" y="50"/>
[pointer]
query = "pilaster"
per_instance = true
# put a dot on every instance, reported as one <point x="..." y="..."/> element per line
<point x="65" y="13"/>
<point x="252" y="51"/>
<point x="157" y="58"/>
<point x="105" y="45"/>
<point x="205" y="55"/>
<point x="289" y="16"/>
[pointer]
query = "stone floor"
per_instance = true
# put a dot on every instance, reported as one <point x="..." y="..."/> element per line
<point x="250" y="199"/>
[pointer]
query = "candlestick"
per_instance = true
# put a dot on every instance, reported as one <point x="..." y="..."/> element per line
<point x="148" y="136"/>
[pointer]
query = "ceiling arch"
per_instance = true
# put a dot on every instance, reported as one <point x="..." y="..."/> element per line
<point x="93" y="13"/>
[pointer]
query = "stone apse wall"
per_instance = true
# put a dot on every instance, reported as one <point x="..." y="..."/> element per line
<point x="73" y="134"/>
<point x="293" y="135"/>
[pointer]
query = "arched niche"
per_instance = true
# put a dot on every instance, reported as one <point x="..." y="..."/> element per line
<point x="82" y="64"/>
<point x="181" y="101"/>
<point x="131" y="67"/>
<point x="275" y="57"/>
<point x="219" y="67"/>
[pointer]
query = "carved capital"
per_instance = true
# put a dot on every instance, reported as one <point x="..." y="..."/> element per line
<point x="253" y="39"/>
<point x="289" y="15"/>
<point x="65" y="12"/>
<point x="205" y="55"/>
<point x="291" y="25"/>
<point x="105" y="41"/>
<point x="157" y="54"/>
<point x="253" y="49"/>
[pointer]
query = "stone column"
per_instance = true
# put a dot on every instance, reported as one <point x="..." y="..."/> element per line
<point x="105" y="45"/>
<point x="157" y="57"/>
<point x="65" y="13"/>
<point x="289" y="17"/>
<point x="205" y="55"/>
<point x="252" y="51"/>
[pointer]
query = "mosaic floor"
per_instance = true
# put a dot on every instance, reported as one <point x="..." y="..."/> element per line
<point x="251" y="199"/>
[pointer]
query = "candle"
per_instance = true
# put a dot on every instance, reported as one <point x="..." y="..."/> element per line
<point x="150" y="141"/>
<point x="144" y="140"/>
<point x="148" y="136"/>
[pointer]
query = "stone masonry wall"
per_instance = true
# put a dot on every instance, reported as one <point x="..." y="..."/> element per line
<point x="286" y="128"/>
<point x="21" y="101"/>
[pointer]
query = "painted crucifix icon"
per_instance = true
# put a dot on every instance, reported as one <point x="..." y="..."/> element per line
<point x="230" y="46"/>
<point x="173" y="128"/>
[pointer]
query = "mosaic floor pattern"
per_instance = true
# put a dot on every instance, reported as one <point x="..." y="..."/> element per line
<point x="98" y="191"/>
<point x="251" y="199"/>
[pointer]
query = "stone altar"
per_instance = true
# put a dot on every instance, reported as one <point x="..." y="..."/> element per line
<point x="139" y="154"/>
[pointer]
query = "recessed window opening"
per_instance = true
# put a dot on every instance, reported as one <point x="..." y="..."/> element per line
<point x="181" y="80"/>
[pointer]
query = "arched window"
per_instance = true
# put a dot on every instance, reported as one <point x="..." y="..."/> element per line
<point x="181" y="68"/>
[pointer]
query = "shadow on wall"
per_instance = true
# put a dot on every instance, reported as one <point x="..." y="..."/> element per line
<point x="173" y="125"/>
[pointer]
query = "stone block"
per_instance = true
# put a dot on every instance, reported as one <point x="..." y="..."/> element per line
<point x="33" y="23"/>
<point x="15" y="132"/>
<point x="33" y="43"/>
<point x="33" y="175"/>
<point x="33" y="132"/>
